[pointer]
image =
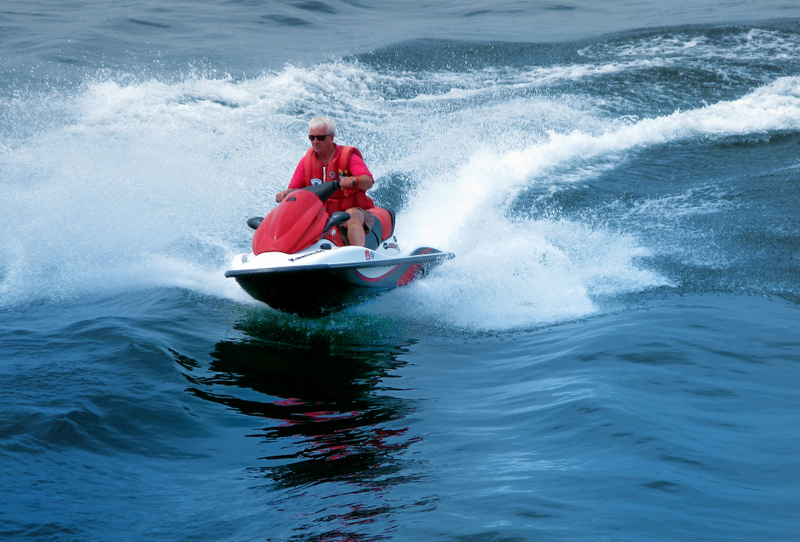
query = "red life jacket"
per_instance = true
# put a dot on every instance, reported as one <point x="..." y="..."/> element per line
<point x="341" y="200"/>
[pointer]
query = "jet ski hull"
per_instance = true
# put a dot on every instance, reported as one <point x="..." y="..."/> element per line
<point x="317" y="287"/>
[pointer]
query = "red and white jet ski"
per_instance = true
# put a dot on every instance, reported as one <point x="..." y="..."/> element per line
<point x="301" y="261"/>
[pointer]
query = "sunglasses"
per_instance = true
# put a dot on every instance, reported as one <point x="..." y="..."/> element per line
<point x="318" y="138"/>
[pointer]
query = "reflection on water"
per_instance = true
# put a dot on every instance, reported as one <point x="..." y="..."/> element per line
<point x="324" y="410"/>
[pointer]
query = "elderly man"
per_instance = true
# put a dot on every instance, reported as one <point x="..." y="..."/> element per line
<point x="326" y="161"/>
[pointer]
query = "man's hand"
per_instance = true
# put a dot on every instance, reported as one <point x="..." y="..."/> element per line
<point x="348" y="182"/>
<point x="280" y="195"/>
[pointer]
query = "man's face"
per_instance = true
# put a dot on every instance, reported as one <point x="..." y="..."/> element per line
<point x="326" y="145"/>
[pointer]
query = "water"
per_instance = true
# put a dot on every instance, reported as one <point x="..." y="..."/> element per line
<point x="612" y="355"/>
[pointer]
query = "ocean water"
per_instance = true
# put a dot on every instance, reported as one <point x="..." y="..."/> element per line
<point x="613" y="353"/>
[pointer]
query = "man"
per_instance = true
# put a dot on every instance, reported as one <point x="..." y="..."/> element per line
<point x="326" y="161"/>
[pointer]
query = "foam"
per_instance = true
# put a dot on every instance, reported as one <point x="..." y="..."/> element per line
<point x="753" y="44"/>
<point x="513" y="272"/>
<point x="130" y="184"/>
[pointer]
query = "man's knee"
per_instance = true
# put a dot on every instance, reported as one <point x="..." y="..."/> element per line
<point x="356" y="216"/>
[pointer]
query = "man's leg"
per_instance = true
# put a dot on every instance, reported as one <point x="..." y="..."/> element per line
<point x="356" y="225"/>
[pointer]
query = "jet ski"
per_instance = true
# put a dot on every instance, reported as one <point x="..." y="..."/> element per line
<point x="301" y="261"/>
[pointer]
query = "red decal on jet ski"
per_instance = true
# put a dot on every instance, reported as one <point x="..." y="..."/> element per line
<point x="409" y="275"/>
<point x="415" y="270"/>
<point x="386" y="277"/>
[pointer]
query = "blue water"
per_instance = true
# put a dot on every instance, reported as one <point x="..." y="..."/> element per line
<point x="613" y="354"/>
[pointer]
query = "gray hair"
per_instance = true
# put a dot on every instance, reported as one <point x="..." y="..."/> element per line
<point x="323" y="122"/>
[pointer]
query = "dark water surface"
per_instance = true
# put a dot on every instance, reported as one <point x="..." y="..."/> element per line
<point x="614" y="353"/>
